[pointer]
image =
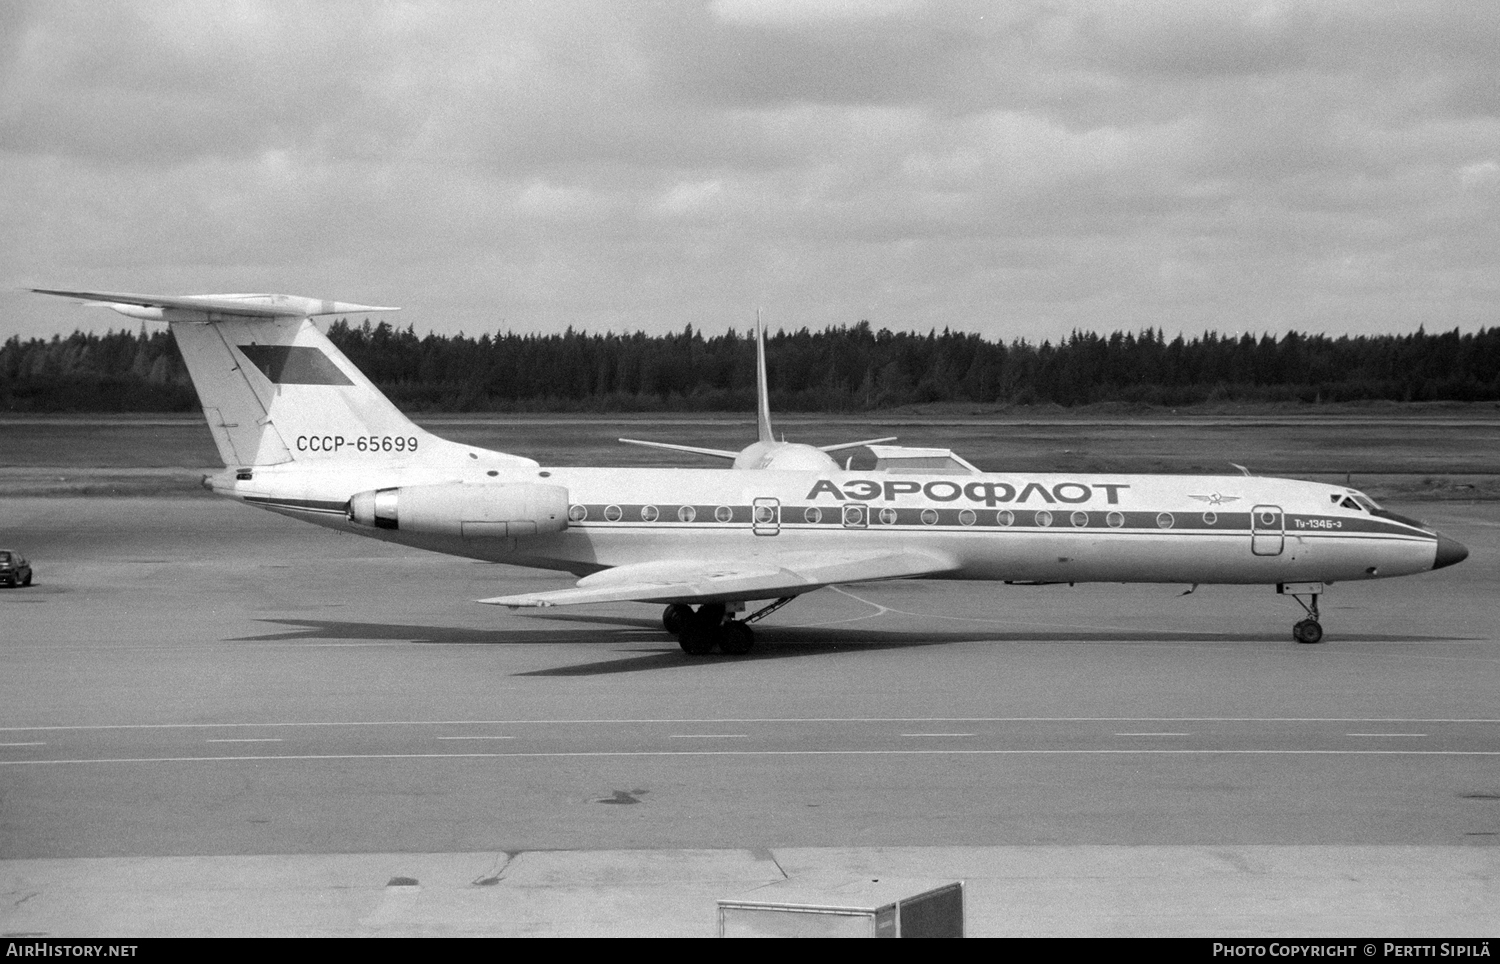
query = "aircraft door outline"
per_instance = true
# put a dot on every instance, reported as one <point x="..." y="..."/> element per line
<point x="765" y="516"/>
<point x="1267" y="530"/>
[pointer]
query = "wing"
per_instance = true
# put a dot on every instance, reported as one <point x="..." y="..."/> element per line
<point x="718" y="453"/>
<point x="729" y="580"/>
<point x="854" y="445"/>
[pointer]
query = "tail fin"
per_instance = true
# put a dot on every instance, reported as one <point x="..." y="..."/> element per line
<point x="277" y="390"/>
<point x="274" y="389"/>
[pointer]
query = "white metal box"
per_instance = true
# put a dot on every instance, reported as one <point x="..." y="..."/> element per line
<point x="860" y="908"/>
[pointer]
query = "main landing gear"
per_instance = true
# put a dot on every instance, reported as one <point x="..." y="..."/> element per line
<point x="699" y="632"/>
<point x="1308" y="630"/>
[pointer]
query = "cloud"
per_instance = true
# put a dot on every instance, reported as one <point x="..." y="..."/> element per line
<point x="1016" y="169"/>
<point x="802" y="13"/>
<point x="1482" y="174"/>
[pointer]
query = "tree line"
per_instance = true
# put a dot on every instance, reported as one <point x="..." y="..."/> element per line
<point x="844" y="368"/>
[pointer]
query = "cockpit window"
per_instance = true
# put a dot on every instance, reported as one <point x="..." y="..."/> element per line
<point x="1354" y="500"/>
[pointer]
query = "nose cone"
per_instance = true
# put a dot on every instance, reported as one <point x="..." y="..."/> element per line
<point x="1449" y="551"/>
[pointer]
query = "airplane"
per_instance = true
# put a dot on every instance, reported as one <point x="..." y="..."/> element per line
<point x="302" y="432"/>
<point x="767" y="452"/>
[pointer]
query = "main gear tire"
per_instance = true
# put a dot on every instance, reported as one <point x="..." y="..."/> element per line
<point x="695" y="642"/>
<point x="701" y="631"/>
<point x="675" y="617"/>
<point x="1308" y="631"/>
<point x="736" y="639"/>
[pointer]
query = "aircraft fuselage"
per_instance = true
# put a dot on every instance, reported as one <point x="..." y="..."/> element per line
<point x="996" y="526"/>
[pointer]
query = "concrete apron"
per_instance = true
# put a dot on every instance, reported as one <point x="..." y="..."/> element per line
<point x="1229" y="891"/>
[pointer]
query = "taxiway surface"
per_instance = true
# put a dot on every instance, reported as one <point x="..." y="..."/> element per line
<point x="197" y="691"/>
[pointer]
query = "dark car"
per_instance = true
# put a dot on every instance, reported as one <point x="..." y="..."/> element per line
<point x="14" y="569"/>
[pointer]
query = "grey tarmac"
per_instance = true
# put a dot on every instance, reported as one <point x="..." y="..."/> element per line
<point x="218" y="721"/>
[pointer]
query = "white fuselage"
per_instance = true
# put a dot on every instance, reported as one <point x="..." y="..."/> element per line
<point x="996" y="526"/>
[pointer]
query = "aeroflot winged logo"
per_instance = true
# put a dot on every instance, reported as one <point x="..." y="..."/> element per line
<point x="1215" y="499"/>
<point x="294" y="365"/>
<point x="989" y="493"/>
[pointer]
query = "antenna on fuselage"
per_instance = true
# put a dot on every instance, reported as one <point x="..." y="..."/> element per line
<point x="762" y="393"/>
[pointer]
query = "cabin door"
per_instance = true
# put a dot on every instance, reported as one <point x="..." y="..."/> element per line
<point x="765" y="517"/>
<point x="1267" y="530"/>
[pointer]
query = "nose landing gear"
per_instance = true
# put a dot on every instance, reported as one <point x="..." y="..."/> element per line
<point x="1308" y="630"/>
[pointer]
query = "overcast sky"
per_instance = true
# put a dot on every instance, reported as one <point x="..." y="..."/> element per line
<point x="1016" y="169"/>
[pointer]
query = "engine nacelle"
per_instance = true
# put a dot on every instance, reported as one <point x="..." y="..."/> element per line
<point x="500" y="510"/>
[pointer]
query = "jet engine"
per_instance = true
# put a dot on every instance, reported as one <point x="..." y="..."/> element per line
<point x="471" y="511"/>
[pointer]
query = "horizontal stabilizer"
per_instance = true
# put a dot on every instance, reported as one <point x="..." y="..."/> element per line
<point x="720" y="580"/>
<point x="237" y="305"/>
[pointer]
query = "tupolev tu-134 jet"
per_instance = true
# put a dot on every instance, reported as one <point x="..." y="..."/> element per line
<point x="303" y="433"/>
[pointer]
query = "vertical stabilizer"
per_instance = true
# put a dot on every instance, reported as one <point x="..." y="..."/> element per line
<point x="277" y="390"/>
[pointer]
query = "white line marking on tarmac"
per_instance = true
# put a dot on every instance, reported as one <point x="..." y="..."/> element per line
<point x="1153" y="734"/>
<point x="258" y="739"/>
<point x="879" y="611"/>
<point x="476" y="738"/>
<point x="310" y="645"/>
<point x="937" y="734"/>
<point x="746" y="753"/>
<point x="1385" y="734"/>
<point x="23" y="744"/>
<point x="768" y="719"/>
<point x="710" y="736"/>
